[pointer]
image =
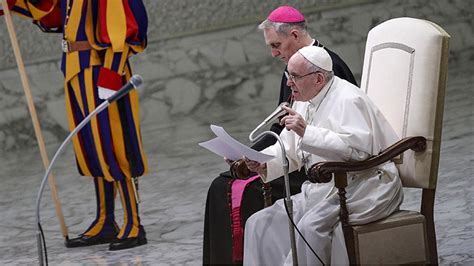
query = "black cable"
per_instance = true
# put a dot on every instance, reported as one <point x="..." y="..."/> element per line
<point x="44" y="244"/>
<point x="301" y="235"/>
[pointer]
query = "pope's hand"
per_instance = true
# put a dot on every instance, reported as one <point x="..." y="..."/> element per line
<point x="293" y="121"/>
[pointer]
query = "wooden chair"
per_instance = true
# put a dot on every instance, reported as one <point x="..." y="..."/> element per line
<point x="404" y="74"/>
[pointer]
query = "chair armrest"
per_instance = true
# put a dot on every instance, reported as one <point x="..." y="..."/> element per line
<point x="322" y="172"/>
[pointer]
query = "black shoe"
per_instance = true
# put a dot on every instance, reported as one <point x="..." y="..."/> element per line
<point x="126" y="243"/>
<point x="83" y="241"/>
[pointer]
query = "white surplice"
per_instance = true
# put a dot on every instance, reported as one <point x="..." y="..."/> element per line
<point x="342" y="125"/>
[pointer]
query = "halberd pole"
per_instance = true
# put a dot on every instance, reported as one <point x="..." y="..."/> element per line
<point x="34" y="117"/>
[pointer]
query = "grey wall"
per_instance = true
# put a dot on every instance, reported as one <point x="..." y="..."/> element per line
<point x="207" y="56"/>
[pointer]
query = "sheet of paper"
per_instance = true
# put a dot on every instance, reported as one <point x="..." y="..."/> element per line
<point x="219" y="147"/>
<point x="226" y="146"/>
<point x="222" y="134"/>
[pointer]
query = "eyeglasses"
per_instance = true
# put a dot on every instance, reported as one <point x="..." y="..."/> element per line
<point x="296" y="78"/>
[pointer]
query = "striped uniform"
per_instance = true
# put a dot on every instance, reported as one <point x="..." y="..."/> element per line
<point x="110" y="147"/>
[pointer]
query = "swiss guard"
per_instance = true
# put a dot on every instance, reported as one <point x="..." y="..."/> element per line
<point x="98" y="39"/>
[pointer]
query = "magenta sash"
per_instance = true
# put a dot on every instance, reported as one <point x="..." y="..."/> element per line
<point x="237" y="188"/>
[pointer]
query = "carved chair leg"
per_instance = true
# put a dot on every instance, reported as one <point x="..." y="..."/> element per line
<point x="340" y="181"/>
<point x="346" y="228"/>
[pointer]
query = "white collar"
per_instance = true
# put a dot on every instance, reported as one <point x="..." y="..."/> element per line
<point x="318" y="43"/>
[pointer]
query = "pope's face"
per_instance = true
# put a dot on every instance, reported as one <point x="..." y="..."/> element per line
<point x="304" y="84"/>
<point x="282" y="46"/>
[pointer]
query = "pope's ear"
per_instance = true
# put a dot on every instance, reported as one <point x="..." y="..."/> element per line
<point x="320" y="78"/>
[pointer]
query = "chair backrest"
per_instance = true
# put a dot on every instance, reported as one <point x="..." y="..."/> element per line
<point x="404" y="74"/>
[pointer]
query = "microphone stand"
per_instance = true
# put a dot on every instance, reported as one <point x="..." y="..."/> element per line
<point x="288" y="200"/>
<point x="86" y="120"/>
<point x="134" y="82"/>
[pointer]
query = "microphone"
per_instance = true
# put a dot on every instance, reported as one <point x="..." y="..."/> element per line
<point x="134" y="83"/>
<point x="279" y="111"/>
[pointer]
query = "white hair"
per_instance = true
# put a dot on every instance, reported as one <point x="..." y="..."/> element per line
<point x="283" y="27"/>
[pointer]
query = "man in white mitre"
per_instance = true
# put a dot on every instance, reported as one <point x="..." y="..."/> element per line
<point x="331" y="120"/>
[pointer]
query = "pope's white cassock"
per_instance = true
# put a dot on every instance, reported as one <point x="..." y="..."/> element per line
<point x="342" y="125"/>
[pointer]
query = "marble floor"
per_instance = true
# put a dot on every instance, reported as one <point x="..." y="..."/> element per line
<point x="173" y="194"/>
